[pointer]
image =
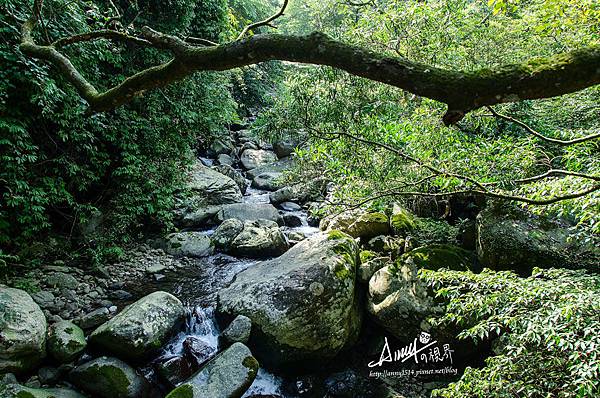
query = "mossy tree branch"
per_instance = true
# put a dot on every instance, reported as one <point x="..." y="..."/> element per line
<point x="461" y="91"/>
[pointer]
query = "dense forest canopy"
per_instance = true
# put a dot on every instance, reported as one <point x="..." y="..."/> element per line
<point x="455" y="143"/>
<point x="540" y="152"/>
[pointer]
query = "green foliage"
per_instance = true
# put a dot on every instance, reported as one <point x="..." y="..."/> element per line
<point x="454" y="34"/>
<point x="428" y="231"/>
<point x="547" y="326"/>
<point x="58" y="166"/>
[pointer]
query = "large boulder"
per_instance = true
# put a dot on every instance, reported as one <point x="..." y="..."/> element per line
<point x="284" y="148"/>
<point x="228" y="375"/>
<point x="300" y="193"/>
<point x="268" y="181"/>
<point x="235" y="175"/>
<point x="253" y="158"/>
<point x="188" y="244"/>
<point x="213" y="187"/>
<point x="221" y="146"/>
<point x="19" y="391"/>
<point x="65" y="341"/>
<point x="279" y="166"/>
<point x="438" y="256"/>
<point x="141" y="328"/>
<point x="249" y="212"/>
<point x="358" y="224"/>
<point x="398" y="300"/>
<point x="509" y="239"/>
<point x="260" y="238"/>
<point x="22" y="331"/>
<point x="303" y="304"/>
<point x="106" y="377"/>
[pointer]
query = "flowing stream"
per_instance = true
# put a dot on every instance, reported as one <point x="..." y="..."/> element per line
<point x="197" y="287"/>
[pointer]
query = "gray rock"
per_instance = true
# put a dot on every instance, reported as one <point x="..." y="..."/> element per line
<point x="197" y="215"/>
<point x="300" y="193"/>
<point x="290" y="206"/>
<point x="358" y="224"/>
<point x="235" y="175"/>
<point x="292" y="220"/>
<point x="93" y="319"/>
<point x="260" y="238"/>
<point x="141" y="328"/>
<point x="213" y="187"/>
<point x="398" y="300"/>
<point x="510" y="239"/>
<point x="249" y="212"/>
<point x="62" y="280"/>
<point x="188" y="244"/>
<point x="226" y="233"/>
<point x="196" y="351"/>
<point x="65" y="341"/>
<point x="174" y="370"/>
<point x="238" y="330"/>
<point x="269" y="181"/>
<point x="295" y="237"/>
<point x="279" y="166"/>
<point x="44" y="299"/>
<point x="229" y="375"/>
<point x="221" y="146"/>
<point x="107" y="377"/>
<point x="284" y="148"/>
<point x="49" y="375"/>
<point x="369" y="267"/>
<point x="119" y="295"/>
<point x="19" y="391"/>
<point x="155" y="268"/>
<point x="225" y="159"/>
<point x="303" y="304"/>
<point x="22" y="331"/>
<point x="253" y="158"/>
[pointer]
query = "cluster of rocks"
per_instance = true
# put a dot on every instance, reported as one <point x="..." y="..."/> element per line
<point x="303" y="305"/>
<point x="72" y="366"/>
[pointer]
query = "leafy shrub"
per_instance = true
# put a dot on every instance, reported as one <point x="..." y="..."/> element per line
<point x="547" y="326"/>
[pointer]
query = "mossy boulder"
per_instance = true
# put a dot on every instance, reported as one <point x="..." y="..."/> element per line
<point x="369" y="266"/>
<point x="106" y="377"/>
<point x="228" y="375"/>
<point x="303" y="305"/>
<point x="65" y="341"/>
<point x="358" y="224"/>
<point x="22" y="331"/>
<point x="141" y="328"/>
<point x="401" y="220"/>
<point x="259" y="238"/>
<point x="19" y="391"/>
<point x="434" y="257"/>
<point x="512" y="239"/>
<point x="398" y="300"/>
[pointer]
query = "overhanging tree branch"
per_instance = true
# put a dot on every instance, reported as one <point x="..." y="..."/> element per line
<point x="462" y="91"/>
<point x="539" y="135"/>
<point x="266" y="22"/>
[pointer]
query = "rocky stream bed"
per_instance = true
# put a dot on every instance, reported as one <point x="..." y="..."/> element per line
<point x="252" y="297"/>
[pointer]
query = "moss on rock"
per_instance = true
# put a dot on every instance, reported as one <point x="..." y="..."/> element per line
<point x="437" y="256"/>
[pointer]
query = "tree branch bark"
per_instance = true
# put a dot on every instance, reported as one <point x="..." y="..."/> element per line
<point x="462" y="91"/>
